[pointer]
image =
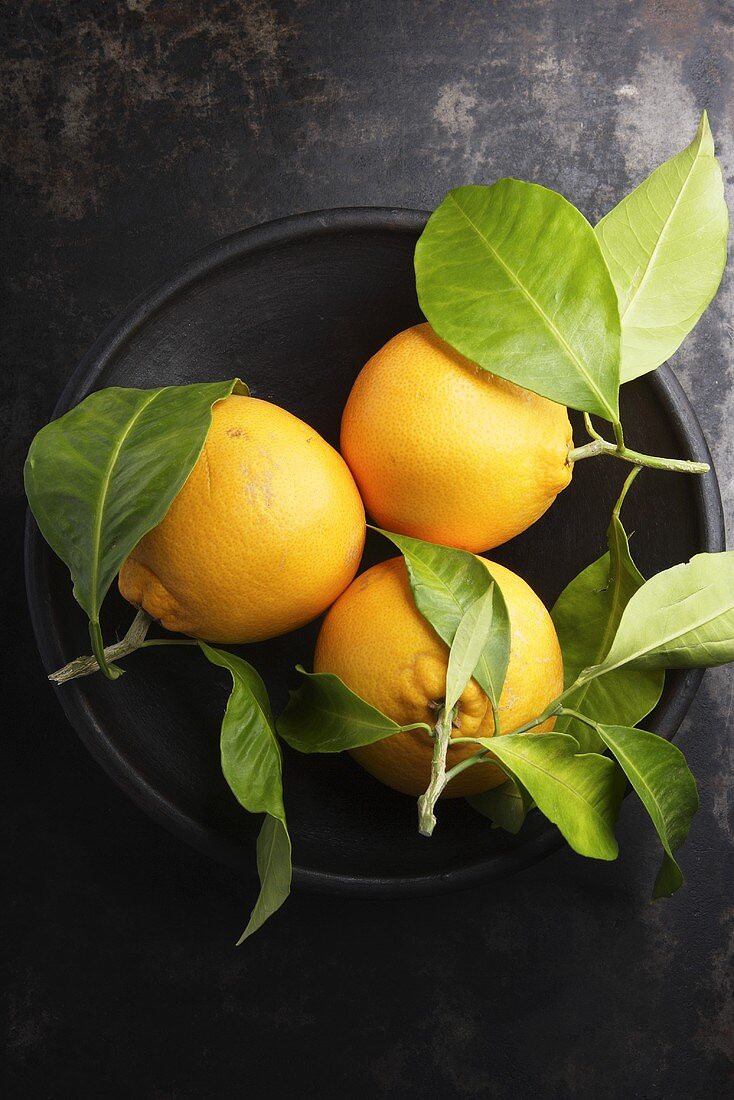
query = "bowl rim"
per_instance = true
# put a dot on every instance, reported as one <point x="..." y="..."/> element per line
<point x="123" y="325"/>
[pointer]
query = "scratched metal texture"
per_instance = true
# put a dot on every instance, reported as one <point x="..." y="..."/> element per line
<point x="130" y="136"/>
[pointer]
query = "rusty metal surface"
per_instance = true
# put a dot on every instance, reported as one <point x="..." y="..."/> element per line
<point x="132" y="134"/>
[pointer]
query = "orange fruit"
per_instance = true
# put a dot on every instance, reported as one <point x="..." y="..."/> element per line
<point x="446" y="452"/>
<point x="266" y="532"/>
<point x="375" y="639"/>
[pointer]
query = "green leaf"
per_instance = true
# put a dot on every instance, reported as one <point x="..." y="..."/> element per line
<point x="580" y="794"/>
<point x="586" y="616"/>
<point x="665" y="245"/>
<point x="506" y="806"/>
<point x="324" y="715"/>
<point x="251" y="757"/>
<point x="274" y="871"/>
<point x="101" y="476"/>
<point x="253" y="767"/>
<point x="680" y="618"/>
<point x="445" y="583"/>
<point x="659" y="774"/>
<point x="468" y="646"/>
<point x="512" y="276"/>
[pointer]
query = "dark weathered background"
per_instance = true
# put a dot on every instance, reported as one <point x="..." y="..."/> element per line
<point x="132" y="134"/>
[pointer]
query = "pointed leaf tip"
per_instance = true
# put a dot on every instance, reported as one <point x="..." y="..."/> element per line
<point x="512" y="277"/>
<point x="704" y="136"/>
<point x="665" y="246"/>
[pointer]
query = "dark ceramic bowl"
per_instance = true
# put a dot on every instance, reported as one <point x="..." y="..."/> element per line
<point x="295" y="308"/>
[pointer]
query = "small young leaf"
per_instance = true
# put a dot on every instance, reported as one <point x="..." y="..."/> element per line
<point x="513" y="277"/>
<point x="445" y="583"/>
<point x="581" y="794"/>
<point x="252" y="766"/>
<point x="468" y="646"/>
<point x="659" y="774"/>
<point x="324" y="715"/>
<point x="506" y="806"/>
<point x="586" y="616"/>
<point x="680" y="618"/>
<point x="665" y="244"/>
<point x="101" y="476"/>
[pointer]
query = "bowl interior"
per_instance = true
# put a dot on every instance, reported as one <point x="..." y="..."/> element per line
<point x="295" y="310"/>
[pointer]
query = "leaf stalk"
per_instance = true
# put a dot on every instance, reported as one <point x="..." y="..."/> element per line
<point x="625" y="489"/>
<point x="601" y="446"/>
<point x="581" y="717"/>
<point x="103" y="662"/>
<point x="85" y="666"/>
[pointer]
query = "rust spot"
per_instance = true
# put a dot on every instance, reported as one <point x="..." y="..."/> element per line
<point x="76" y="88"/>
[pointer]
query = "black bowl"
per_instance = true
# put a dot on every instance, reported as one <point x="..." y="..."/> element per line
<point x="295" y="308"/>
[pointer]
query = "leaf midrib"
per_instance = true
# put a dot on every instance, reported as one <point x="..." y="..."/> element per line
<point x="481" y="661"/>
<point x="670" y="637"/>
<point x="552" y="775"/>
<point x="628" y="767"/>
<point x="362" y="723"/>
<point x="237" y="678"/>
<point x="260" y="904"/>
<point x="271" y="848"/>
<point x="102" y="498"/>
<point x="606" y="641"/>
<point x="663" y="231"/>
<point x="408" y="555"/>
<point x="445" y="587"/>
<point x="539" y="310"/>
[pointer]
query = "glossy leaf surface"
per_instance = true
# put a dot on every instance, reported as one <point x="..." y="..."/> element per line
<point x="252" y="766"/>
<point x="274" y="872"/>
<point x="470" y="640"/>
<point x="513" y="277"/>
<point x="101" y="476"/>
<point x="586" y="616"/>
<point x="324" y="715"/>
<point x="659" y="774"/>
<point x="580" y="794"/>
<point x="680" y="618"/>
<point x="445" y="583"/>
<point x="665" y="245"/>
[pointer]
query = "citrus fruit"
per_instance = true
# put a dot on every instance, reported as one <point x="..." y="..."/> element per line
<point x="446" y="452"/>
<point x="375" y="639"/>
<point x="266" y="532"/>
